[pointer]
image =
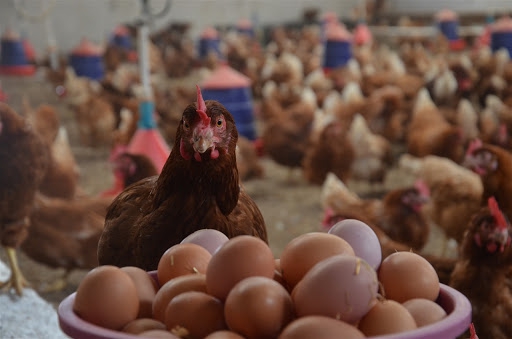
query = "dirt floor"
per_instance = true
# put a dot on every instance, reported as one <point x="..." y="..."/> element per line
<point x="289" y="205"/>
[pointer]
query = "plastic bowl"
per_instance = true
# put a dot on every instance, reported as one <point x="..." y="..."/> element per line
<point x="456" y="305"/>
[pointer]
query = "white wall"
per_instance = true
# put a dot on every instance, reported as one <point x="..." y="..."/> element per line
<point x="95" y="19"/>
<point x="411" y="7"/>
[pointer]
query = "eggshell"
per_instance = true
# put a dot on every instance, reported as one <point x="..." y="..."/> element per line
<point x="184" y="283"/>
<point x="241" y="257"/>
<point x="107" y="297"/>
<point x="182" y="259"/>
<point x="424" y="311"/>
<point x="143" y="324"/>
<point x="208" y="238"/>
<point x="387" y="317"/>
<point x="341" y="287"/>
<point x="258" y="307"/>
<point x="407" y="275"/>
<point x="160" y="334"/>
<point x="361" y="238"/>
<point x="226" y="334"/>
<point x="316" y="326"/>
<point x="146" y="289"/>
<point x="195" y="313"/>
<point x="304" y="251"/>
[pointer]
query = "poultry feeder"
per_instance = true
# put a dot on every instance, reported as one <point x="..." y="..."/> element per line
<point x="501" y="35"/>
<point x="484" y="39"/>
<point x="328" y="19"/>
<point x="362" y="34"/>
<point x="87" y="60"/>
<point x="233" y="90"/>
<point x="244" y="26"/>
<point x="448" y="24"/>
<point x="13" y="57"/>
<point x="338" y="46"/>
<point x="209" y="42"/>
<point x="121" y="38"/>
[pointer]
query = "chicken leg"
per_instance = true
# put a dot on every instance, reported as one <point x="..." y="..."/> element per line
<point x="17" y="280"/>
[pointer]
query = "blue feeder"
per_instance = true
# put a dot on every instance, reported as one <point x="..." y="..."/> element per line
<point x="448" y="24"/>
<point x="501" y="35"/>
<point x="13" y="58"/>
<point x="87" y="60"/>
<point x="232" y="89"/>
<point x="338" y="47"/>
<point x="209" y="43"/>
<point x="244" y="26"/>
<point x="121" y="38"/>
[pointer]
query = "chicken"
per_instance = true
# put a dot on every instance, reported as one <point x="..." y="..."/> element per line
<point x="429" y="133"/>
<point x="247" y="160"/>
<point x="198" y="188"/>
<point x="483" y="273"/>
<point x="398" y="214"/>
<point x="494" y="166"/>
<point x="455" y="192"/>
<point x="25" y="159"/>
<point x="64" y="234"/>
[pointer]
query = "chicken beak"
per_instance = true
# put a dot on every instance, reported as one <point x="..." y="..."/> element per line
<point x="202" y="144"/>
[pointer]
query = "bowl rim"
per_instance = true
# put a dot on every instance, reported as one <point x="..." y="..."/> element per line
<point x="456" y="322"/>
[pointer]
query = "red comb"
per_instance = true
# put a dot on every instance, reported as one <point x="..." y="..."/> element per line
<point x="201" y="107"/>
<point x="472" y="332"/>
<point x="474" y="145"/>
<point x="422" y="187"/>
<point x="496" y="213"/>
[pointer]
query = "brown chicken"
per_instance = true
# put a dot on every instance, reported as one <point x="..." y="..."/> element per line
<point x="198" y="188"/>
<point x="247" y="160"/>
<point x="494" y="166"/>
<point x="398" y="214"/>
<point x="483" y="273"/>
<point x="429" y="132"/>
<point x="25" y="158"/>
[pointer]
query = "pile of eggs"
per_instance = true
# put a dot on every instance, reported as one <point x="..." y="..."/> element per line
<point x="323" y="285"/>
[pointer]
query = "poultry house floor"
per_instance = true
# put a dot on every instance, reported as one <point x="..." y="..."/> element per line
<point x="289" y="205"/>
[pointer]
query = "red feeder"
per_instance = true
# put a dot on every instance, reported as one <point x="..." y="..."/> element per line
<point x="13" y="58"/>
<point x="362" y="34"/>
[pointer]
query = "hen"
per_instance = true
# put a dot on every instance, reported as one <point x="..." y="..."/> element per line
<point x="397" y="214"/>
<point x="247" y="159"/>
<point x="484" y="271"/>
<point x="25" y="159"/>
<point x="494" y="165"/>
<point x="198" y="188"/>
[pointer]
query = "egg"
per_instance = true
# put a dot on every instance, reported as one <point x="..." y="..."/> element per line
<point x="361" y="238"/>
<point x="258" y="307"/>
<point x="208" y="238"/>
<point x="424" y="311"/>
<point x="143" y="324"/>
<point x="182" y="259"/>
<point x="387" y="317"/>
<point x="195" y="313"/>
<point x="341" y="287"/>
<point x="107" y="297"/>
<point x="407" y="275"/>
<point x="241" y="257"/>
<point x="146" y="289"/>
<point x="304" y="251"/>
<point x="184" y="283"/>
<point x="226" y="334"/>
<point x="315" y="326"/>
<point x="158" y="334"/>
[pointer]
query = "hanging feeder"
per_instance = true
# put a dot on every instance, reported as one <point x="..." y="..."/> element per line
<point x="233" y="90"/>
<point x="86" y="59"/>
<point x="209" y="42"/>
<point x="448" y="24"/>
<point x="13" y="60"/>
<point x="338" y="46"/>
<point x="244" y="26"/>
<point x="501" y="35"/>
<point x="121" y="38"/>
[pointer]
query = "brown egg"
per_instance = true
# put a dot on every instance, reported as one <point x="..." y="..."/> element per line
<point x="258" y="307"/>
<point x="387" y="317"/>
<point x="407" y="275"/>
<point x="143" y="324"/>
<point x="240" y="257"/>
<point x="304" y="251"/>
<point x="184" y="283"/>
<point x="195" y="313"/>
<point x="424" y="311"/>
<point x="226" y="334"/>
<point x="107" y="297"/>
<point x="146" y="289"/>
<point x="159" y="334"/>
<point x="182" y="259"/>
<point x="316" y="326"/>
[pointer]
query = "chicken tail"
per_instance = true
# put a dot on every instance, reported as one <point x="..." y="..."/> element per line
<point x="336" y="195"/>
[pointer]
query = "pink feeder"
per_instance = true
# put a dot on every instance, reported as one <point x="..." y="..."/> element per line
<point x="13" y="58"/>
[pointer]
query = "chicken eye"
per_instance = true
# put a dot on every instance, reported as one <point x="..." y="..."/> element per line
<point x="186" y="125"/>
<point x="219" y="123"/>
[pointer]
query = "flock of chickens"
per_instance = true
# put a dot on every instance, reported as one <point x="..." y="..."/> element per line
<point x="443" y="116"/>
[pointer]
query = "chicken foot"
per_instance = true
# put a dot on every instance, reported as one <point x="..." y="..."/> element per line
<point x="57" y="285"/>
<point x="17" y="280"/>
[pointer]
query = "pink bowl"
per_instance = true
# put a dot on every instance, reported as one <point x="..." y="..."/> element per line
<point x="456" y="305"/>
